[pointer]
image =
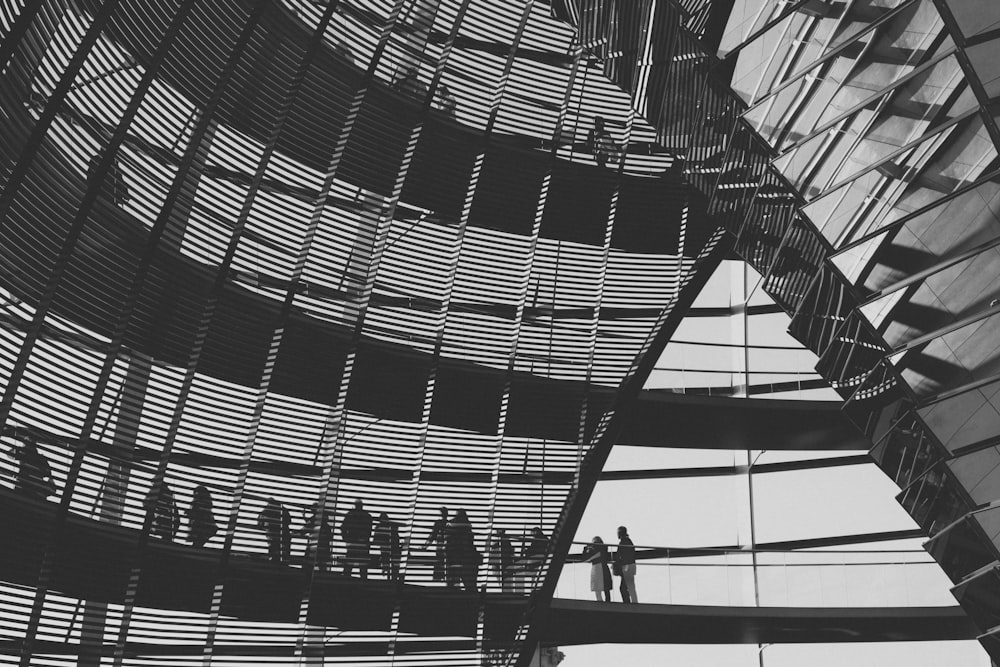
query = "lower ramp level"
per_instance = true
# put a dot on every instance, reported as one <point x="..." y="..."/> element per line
<point x="571" y="622"/>
<point x="91" y="560"/>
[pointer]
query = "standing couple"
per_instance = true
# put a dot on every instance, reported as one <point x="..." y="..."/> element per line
<point x="623" y="564"/>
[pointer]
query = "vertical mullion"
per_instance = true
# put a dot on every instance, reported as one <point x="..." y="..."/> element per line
<point x="455" y="259"/>
<point x="330" y="450"/>
<point x="203" y="131"/>
<point x="278" y="126"/>
<point x="443" y="316"/>
<point x="596" y="319"/>
<point x="564" y="521"/>
<point x="604" y="434"/>
<point x="577" y="52"/>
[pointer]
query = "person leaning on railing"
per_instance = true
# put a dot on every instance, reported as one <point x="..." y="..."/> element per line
<point x="596" y="553"/>
<point x="501" y="559"/>
<point x="437" y="538"/>
<point x="276" y="522"/>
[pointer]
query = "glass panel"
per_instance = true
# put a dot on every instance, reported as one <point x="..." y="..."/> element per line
<point x="853" y="352"/>
<point x="746" y="17"/>
<point x="983" y="57"/>
<point x="975" y="16"/>
<point x="826" y="578"/>
<point x="979" y="474"/>
<point x="962" y="548"/>
<point x="797" y="262"/>
<point x="965" y="419"/>
<point x="979" y="595"/>
<point x="760" y="65"/>
<point x="934" y="500"/>
<point x="876" y="404"/>
<point x="906" y="452"/>
<point x="953" y="358"/>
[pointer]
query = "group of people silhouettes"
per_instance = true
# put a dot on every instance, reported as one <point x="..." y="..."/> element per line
<point x="165" y="517"/>
<point x="34" y="479"/>
<point x="506" y="567"/>
<point x="359" y="532"/>
<point x="623" y="565"/>
<point x="456" y="559"/>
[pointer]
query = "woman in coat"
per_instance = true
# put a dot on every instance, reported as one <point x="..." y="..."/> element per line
<point x="596" y="553"/>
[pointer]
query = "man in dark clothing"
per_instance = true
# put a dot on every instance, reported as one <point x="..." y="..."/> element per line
<point x="276" y="522"/>
<point x="534" y="550"/>
<point x="113" y="188"/>
<point x="625" y="566"/>
<point x="357" y="533"/>
<point x="324" y="539"/>
<point x="501" y="555"/>
<point x="437" y="537"/>
<point x="532" y="556"/>
<point x="34" y="476"/>
<point x="462" y="557"/>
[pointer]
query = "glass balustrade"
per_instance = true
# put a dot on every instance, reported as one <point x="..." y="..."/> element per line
<point x="710" y="577"/>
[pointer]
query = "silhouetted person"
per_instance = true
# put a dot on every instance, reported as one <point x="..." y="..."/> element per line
<point x="390" y="547"/>
<point x="501" y="559"/>
<point x="437" y="538"/>
<point x="625" y="566"/>
<point x="201" y="520"/>
<point x="461" y="555"/>
<point x="410" y="84"/>
<point x="357" y="533"/>
<point x="166" y="517"/>
<point x="276" y="522"/>
<point x="596" y="554"/>
<point x="446" y="100"/>
<point x="601" y="144"/>
<point x="321" y="550"/>
<point x="34" y="476"/>
<point x="534" y="550"/>
<point x="113" y="188"/>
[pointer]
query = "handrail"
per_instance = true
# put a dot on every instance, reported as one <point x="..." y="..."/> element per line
<point x="646" y="552"/>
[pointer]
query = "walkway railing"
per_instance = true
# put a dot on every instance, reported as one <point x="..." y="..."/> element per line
<point x="727" y="577"/>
